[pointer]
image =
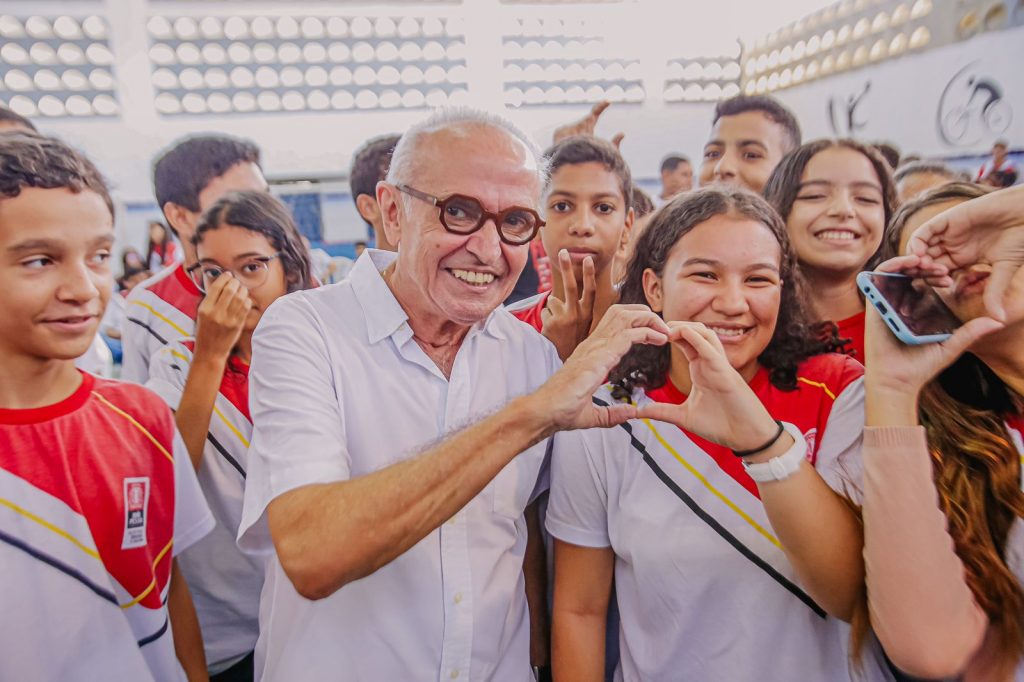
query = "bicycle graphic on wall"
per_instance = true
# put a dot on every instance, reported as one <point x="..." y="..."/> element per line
<point x="972" y="107"/>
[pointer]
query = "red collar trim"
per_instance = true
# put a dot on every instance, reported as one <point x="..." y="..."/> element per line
<point x="36" y="415"/>
<point x="186" y="281"/>
<point x="669" y="393"/>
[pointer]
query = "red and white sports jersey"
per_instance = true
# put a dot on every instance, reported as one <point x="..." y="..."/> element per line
<point x="820" y="380"/>
<point x="704" y="589"/>
<point x="97" y="494"/>
<point x="160" y="310"/>
<point x="225" y="582"/>
<point x="530" y="310"/>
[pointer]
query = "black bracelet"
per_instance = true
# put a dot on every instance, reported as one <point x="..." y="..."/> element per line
<point x="747" y="453"/>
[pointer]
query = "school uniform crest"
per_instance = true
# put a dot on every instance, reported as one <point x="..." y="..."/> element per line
<point x="136" y="503"/>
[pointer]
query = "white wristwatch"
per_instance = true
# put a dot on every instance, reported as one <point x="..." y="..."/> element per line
<point x="783" y="466"/>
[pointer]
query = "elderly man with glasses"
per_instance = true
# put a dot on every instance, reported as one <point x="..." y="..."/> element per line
<point x="401" y="423"/>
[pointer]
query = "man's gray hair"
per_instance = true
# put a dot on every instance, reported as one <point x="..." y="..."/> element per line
<point x="459" y="120"/>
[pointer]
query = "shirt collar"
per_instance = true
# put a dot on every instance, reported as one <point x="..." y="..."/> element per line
<point x="383" y="314"/>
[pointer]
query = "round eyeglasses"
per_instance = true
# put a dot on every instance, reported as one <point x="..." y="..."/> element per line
<point x="462" y="214"/>
<point x="251" y="272"/>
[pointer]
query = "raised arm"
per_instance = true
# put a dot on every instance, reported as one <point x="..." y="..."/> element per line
<point x="221" y="316"/>
<point x="320" y="530"/>
<point x="921" y="608"/>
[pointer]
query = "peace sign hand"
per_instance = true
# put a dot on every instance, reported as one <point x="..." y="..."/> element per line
<point x="567" y="323"/>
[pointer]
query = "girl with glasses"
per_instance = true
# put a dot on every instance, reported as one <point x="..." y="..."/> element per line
<point x="250" y="254"/>
<point x="723" y="514"/>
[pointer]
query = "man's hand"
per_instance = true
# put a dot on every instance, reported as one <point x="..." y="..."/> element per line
<point x="221" y="317"/>
<point x="989" y="229"/>
<point x="586" y="125"/>
<point x="566" y="398"/>
<point x="567" y="323"/>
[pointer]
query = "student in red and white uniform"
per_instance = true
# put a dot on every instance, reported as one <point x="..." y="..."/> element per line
<point x="187" y="180"/>
<point x="726" y="567"/>
<point x="249" y="254"/>
<point x="588" y="219"/>
<point x="836" y="197"/>
<point x="943" y="504"/>
<point x="97" y="495"/>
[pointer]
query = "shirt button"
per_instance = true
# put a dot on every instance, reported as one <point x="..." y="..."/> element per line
<point x="458" y="598"/>
<point x="455" y="674"/>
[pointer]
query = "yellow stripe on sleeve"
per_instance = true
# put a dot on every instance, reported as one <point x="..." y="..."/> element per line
<point x="133" y="422"/>
<point x="160" y="317"/>
<point x="51" y="527"/>
<point x="817" y="384"/>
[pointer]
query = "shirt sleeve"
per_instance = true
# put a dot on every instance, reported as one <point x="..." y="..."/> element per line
<point x="192" y="517"/>
<point x="168" y="371"/>
<point x="919" y="602"/>
<point x="298" y="428"/>
<point x="554" y="363"/>
<point x="839" y="455"/>
<point x="578" y="507"/>
<point x="135" y="349"/>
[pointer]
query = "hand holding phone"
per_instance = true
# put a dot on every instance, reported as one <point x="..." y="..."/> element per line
<point x="911" y="310"/>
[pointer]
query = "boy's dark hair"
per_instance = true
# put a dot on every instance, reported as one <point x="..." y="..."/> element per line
<point x="6" y="115"/>
<point x="587" y="149"/>
<point x="30" y="160"/>
<point x="264" y="214"/>
<point x="889" y="152"/>
<point x="370" y="165"/>
<point x="1004" y="178"/>
<point x="770" y="107"/>
<point x="642" y="203"/>
<point x="672" y="161"/>
<point x="182" y="172"/>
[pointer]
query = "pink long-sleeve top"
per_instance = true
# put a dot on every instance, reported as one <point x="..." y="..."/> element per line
<point x="921" y="608"/>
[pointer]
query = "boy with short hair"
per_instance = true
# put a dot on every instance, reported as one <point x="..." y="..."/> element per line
<point x="749" y="136"/>
<point x="97" y="492"/>
<point x="588" y="213"/>
<point x="369" y="166"/>
<point x="187" y="179"/>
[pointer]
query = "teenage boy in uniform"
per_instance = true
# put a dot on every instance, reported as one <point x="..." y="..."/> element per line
<point x="749" y="136"/>
<point x="187" y="179"/>
<point x="97" y="491"/>
<point x="588" y="219"/>
<point x="369" y="166"/>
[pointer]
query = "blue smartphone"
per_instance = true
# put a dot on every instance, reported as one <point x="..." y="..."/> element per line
<point x="916" y="315"/>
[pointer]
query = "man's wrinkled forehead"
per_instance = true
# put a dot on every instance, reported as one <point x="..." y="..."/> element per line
<point x="476" y="153"/>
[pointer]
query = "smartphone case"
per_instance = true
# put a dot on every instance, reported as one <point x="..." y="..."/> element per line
<point x="892" y="320"/>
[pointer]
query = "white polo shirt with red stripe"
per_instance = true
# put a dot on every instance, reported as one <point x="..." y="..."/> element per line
<point x="158" y="311"/>
<point x="225" y="582"/>
<point x="704" y="590"/>
<point x="97" y="494"/>
<point x="340" y="389"/>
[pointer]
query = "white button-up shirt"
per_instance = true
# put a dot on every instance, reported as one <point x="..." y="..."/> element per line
<point x="340" y="389"/>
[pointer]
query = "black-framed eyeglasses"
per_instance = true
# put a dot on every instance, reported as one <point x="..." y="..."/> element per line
<point x="252" y="273"/>
<point x="462" y="214"/>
